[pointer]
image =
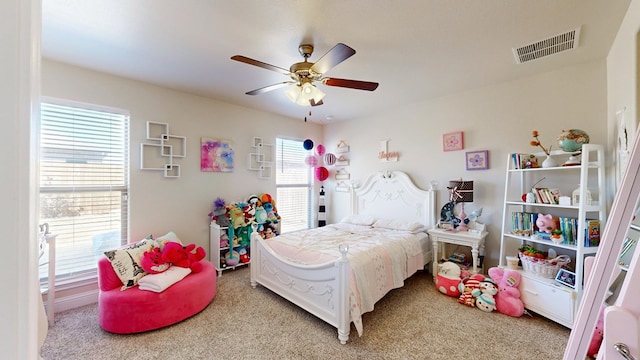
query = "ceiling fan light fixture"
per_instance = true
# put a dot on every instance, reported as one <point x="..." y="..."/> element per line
<point x="303" y="94"/>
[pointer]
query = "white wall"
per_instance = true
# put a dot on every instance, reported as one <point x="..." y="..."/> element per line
<point x="497" y="118"/>
<point x="159" y="204"/>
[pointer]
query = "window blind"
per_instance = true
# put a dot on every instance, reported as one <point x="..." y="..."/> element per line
<point x="84" y="183"/>
<point x="293" y="185"/>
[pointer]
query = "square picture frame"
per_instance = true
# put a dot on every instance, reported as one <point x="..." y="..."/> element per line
<point x="567" y="278"/>
<point x="477" y="160"/>
<point x="452" y="141"/>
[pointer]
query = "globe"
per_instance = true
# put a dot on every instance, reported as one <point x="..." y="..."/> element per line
<point x="572" y="140"/>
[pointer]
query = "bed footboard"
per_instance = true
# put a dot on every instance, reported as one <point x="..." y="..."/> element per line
<point x="322" y="290"/>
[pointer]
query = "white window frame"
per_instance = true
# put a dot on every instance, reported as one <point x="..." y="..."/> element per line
<point x="69" y="273"/>
<point x="291" y="221"/>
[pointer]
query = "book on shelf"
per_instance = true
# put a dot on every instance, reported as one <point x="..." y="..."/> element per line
<point x="547" y="196"/>
<point x="592" y="229"/>
<point x="524" y="161"/>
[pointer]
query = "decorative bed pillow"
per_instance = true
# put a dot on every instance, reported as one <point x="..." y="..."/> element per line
<point x="413" y="227"/>
<point x="356" y="219"/>
<point x="126" y="261"/>
<point x="170" y="236"/>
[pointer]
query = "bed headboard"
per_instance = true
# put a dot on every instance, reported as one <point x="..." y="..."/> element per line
<point x="392" y="195"/>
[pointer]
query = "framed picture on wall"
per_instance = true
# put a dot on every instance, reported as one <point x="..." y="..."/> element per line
<point x="477" y="160"/>
<point x="452" y="141"/>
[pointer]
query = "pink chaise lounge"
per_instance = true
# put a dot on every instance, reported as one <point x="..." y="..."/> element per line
<point x="135" y="310"/>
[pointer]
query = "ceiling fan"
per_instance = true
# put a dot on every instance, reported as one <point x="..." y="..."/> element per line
<point x="304" y="74"/>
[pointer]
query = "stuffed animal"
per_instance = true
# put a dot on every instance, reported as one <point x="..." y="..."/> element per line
<point x="237" y="217"/>
<point x="188" y="256"/>
<point x="448" y="278"/>
<point x="232" y="258"/>
<point x="219" y="213"/>
<point x="598" y="333"/>
<point x="508" y="297"/>
<point x="243" y="235"/>
<point x="484" y="295"/>
<point x="243" y="255"/>
<point x="261" y="215"/>
<point x="224" y="240"/>
<point x="467" y="287"/>
<point x="547" y="223"/>
<point x="152" y="262"/>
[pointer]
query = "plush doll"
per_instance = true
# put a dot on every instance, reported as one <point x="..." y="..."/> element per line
<point x="219" y="213"/>
<point x="546" y="223"/>
<point x="244" y="236"/>
<point x="243" y="255"/>
<point x="188" y="256"/>
<point x="271" y="214"/>
<point x="152" y="262"/>
<point x="484" y="295"/>
<point x="598" y="333"/>
<point x="448" y="279"/>
<point x="232" y="258"/>
<point x="261" y="215"/>
<point x="508" y="297"/>
<point x="467" y="287"/>
<point x="237" y="217"/>
<point x="224" y="240"/>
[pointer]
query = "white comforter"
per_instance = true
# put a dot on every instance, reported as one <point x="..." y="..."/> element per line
<point x="380" y="259"/>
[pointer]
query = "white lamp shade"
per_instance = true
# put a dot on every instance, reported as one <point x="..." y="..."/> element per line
<point x="301" y="95"/>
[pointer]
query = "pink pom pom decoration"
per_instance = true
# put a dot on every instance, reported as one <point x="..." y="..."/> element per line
<point x="311" y="160"/>
<point x="322" y="173"/>
<point x="320" y="149"/>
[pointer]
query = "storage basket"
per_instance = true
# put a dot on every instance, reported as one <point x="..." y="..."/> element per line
<point x="547" y="268"/>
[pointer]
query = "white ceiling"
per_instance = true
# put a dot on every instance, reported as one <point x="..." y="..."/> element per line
<point x="415" y="49"/>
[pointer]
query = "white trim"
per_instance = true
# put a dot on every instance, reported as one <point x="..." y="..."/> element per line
<point x="76" y="300"/>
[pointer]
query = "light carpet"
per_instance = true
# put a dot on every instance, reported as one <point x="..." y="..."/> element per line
<point x="413" y="322"/>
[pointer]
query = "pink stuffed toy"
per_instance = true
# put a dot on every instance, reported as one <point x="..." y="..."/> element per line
<point x="187" y="256"/>
<point x="152" y="261"/>
<point x="596" y="339"/>
<point x="508" y="297"/>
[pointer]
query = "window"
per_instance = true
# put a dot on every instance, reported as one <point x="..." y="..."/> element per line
<point x="84" y="183"/>
<point x="293" y="185"/>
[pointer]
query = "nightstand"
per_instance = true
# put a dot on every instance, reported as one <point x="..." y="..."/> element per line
<point x="473" y="239"/>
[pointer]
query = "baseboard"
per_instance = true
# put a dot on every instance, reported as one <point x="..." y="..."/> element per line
<point x="75" y="300"/>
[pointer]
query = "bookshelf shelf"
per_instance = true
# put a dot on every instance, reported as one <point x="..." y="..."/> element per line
<point x="572" y="218"/>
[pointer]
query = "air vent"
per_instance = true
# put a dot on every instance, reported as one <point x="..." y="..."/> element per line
<point x="546" y="47"/>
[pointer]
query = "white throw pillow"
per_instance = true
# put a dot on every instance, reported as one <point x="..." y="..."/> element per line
<point x="357" y="219"/>
<point x="413" y="227"/>
<point x="126" y="261"/>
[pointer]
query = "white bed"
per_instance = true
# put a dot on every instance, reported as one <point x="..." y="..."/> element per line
<point x="326" y="270"/>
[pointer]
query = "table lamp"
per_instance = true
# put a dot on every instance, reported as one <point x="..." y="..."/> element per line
<point x="461" y="192"/>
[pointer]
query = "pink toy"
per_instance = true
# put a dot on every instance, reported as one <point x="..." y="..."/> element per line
<point x="188" y="256"/>
<point x="596" y="339"/>
<point x="508" y="297"/>
<point x="546" y="223"/>
<point x="152" y="262"/>
<point x="448" y="279"/>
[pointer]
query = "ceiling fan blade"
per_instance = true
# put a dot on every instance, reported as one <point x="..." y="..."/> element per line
<point x="314" y="103"/>
<point x="333" y="57"/>
<point x="352" y="84"/>
<point x="270" y="88"/>
<point x="261" y="64"/>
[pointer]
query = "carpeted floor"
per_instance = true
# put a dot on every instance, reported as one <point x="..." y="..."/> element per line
<point x="413" y="322"/>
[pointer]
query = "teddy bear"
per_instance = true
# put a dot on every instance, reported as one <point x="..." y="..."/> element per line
<point x="448" y="278"/>
<point x="484" y="295"/>
<point x="152" y="261"/>
<point x="508" y="297"/>
<point x="467" y="287"/>
<point x="187" y="256"/>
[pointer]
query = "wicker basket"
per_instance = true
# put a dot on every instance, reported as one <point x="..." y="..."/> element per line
<point x="547" y="268"/>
